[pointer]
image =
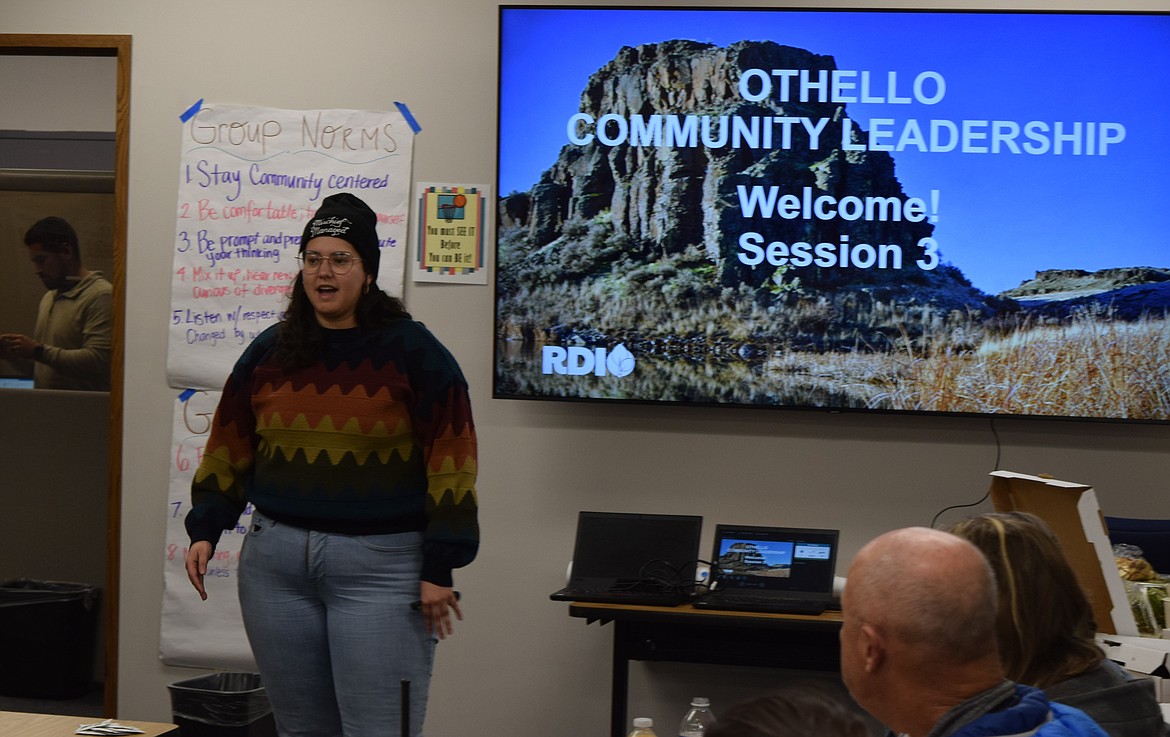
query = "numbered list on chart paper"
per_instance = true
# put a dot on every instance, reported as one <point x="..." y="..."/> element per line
<point x="249" y="180"/>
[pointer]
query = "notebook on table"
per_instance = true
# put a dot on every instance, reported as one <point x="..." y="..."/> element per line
<point x="771" y="569"/>
<point x="627" y="558"/>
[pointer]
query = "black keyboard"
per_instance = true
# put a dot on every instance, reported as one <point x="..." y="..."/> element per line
<point x="622" y="590"/>
<point x="749" y="603"/>
<point x="634" y="595"/>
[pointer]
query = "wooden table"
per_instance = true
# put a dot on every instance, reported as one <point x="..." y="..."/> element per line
<point x="18" y="724"/>
<point x="684" y="634"/>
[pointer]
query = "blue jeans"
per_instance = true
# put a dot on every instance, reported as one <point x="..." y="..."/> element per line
<point x="329" y="620"/>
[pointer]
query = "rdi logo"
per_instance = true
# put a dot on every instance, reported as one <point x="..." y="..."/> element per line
<point x="578" y="361"/>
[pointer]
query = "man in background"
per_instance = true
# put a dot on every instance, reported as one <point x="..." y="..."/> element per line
<point x="71" y="343"/>
<point x="918" y="644"/>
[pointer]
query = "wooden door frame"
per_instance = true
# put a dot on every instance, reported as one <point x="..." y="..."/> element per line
<point x="117" y="46"/>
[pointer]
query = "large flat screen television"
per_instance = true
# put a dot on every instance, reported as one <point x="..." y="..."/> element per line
<point x="957" y="212"/>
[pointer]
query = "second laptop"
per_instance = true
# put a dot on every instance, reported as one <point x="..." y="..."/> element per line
<point x="771" y="569"/>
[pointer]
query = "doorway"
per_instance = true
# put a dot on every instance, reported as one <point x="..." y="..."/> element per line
<point x="73" y="47"/>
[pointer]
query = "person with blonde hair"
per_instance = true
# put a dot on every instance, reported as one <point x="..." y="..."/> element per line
<point x="1045" y="626"/>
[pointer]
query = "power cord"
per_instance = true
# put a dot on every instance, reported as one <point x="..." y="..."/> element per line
<point x="998" y="452"/>
<point x="662" y="575"/>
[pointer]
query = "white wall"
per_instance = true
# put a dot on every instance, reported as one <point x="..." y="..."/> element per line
<point x="518" y="662"/>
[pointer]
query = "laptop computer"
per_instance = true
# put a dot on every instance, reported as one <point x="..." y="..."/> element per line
<point x="771" y="569"/>
<point x="629" y="558"/>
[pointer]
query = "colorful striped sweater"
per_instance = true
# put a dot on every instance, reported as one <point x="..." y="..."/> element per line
<point x="375" y="437"/>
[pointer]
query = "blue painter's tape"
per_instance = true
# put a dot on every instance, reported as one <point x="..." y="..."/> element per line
<point x="186" y="394"/>
<point x="190" y="112"/>
<point x="402" y="108"/>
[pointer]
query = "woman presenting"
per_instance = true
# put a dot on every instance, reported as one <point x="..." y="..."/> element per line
<point x="348" y="428"/>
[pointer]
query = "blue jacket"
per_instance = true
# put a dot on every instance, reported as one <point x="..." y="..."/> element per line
<point x="1032" y="714"/>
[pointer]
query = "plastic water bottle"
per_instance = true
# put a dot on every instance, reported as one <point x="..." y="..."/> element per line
<point x="643" y="727"/>
<point x="698" y="720"/>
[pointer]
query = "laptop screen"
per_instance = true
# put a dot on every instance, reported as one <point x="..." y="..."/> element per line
<point x="774" y="558"/>
<point x="627" y="546"/>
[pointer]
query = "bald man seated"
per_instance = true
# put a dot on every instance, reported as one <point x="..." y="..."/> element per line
<point x="918" y="644"/>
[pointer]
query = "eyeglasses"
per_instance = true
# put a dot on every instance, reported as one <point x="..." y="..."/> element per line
<point x="340" y="262"/>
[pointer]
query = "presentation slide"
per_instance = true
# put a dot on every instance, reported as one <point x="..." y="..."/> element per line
<point x="942" y="212"/>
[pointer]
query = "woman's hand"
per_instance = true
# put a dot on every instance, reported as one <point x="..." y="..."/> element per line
<point x="436" y="602"/>
<point x="197" y="556"/>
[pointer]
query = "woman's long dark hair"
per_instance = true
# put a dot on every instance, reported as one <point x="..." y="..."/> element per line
<point x="298" y="344"/>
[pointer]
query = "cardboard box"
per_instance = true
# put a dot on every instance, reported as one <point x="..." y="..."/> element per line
<point x="1072" y="511"/>
<point x="1146" y="657"/>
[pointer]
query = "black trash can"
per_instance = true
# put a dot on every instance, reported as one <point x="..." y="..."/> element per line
<point x="48" y="638"/>
<point x="227" y="704"/>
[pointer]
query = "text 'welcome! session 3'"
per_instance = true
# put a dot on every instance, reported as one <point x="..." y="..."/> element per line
<point x="842" y="86"/>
